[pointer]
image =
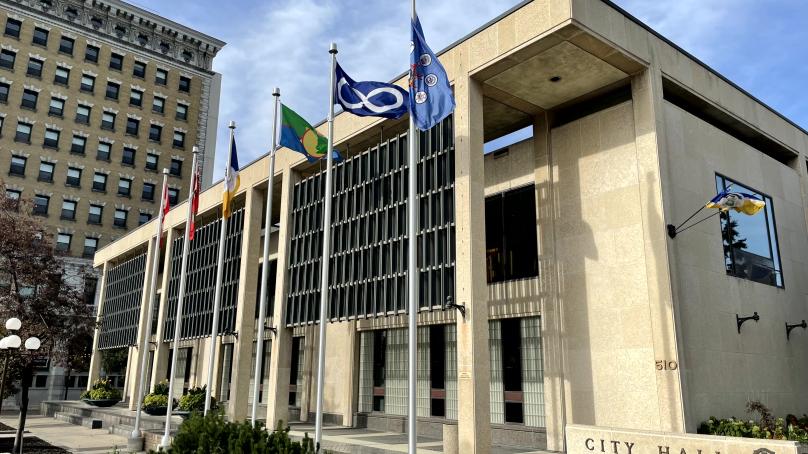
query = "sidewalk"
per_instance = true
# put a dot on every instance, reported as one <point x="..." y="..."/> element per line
<point x="76" y="439"/>
<point x="365" y="441"/>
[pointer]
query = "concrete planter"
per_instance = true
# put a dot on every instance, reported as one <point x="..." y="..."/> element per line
<point x="103" y="403"/>
<point x="155" y="411"/>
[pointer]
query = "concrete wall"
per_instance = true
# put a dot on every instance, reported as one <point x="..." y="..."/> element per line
<point x="724" y="369"/>
<point x="605" y="302"/>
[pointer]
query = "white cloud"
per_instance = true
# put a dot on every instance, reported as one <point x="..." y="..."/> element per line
<point x="286" y="45"/>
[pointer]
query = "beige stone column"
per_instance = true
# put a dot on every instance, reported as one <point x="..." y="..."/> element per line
<point x="306" y="397"/>
<point x="95" y="358"/>
<point x="133" y="371"/>
<point x="473" y="362"/>
<point x="160" y="360"/>
<point x="551" y="312"/>
<point x="277" y="388"/>
<point x="646" y="90"/>
<point x="245" y="315"/>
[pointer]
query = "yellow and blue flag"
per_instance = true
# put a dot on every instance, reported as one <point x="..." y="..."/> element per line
<point x="739" y="201"/>
<point x="231" y="180"/>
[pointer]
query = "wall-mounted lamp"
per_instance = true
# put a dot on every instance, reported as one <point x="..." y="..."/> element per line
<point x="460" y="307"/>
<point x="273" y="330"/>
<point x="741" y="320"/>
<point x="789" y="327"/>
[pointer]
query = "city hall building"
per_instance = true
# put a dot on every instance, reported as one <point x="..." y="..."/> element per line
<point x="579" y="308"/>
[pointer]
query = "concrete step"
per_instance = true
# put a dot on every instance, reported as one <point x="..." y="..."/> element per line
<point x="86" y="421"/>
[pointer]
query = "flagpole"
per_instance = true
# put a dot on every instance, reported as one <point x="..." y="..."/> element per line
<point x="412" y="276"/>
<point x="217" y="297"/>
<point x="144" y="347"/>
<point x="318" y="427"/>
<point x="178" y="318"/>
<point x="259" y="343"/>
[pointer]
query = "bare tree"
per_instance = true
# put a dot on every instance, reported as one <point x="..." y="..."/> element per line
<point x="35" y="289"/>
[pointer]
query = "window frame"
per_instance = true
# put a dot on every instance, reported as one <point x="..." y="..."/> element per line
<point x="67" y="214"/>
<point x="13" y="167"/>
<point x="39" y="42"/>
<point x="4" y="58"/>
<point x="45" y="175"/>
<point x="93" y="218"/>
<point x="73" y="181"/>
<point x="74" y="147"/>
<point x="61" y="80"/>
<point x="27" y="103"/>
<point x="91" y="53"/>
<point x="771" y="232"/>
<point x="17" y="23"/>
<point x="62" y="48"/>
<point x="113" y="57"/>
<point x="99" y="186"/>
<point x="56" y="112"/>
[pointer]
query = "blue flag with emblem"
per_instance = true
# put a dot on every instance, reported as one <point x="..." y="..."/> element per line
<point x="431" y="98"/>
<point x="369" y="99"/>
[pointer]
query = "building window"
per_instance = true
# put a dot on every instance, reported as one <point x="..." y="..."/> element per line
<point x="100" y="182"/>
<point x="66" y="45"/>
<point x="41" y="203"/>
<point x="82" y="114"/>
<point x="46" y="172"/>
<point x="176" y="167"/>
<point x="13" y="194"/>
<point x="78" y="145"/>
<point x="185" y="84"/>
<point x="148" y="192"/>
<point x="179" y="139"/>
<point x="158" y="105"/>
<point x="13" y="28"/>
<point x="136" y="98"/>
<point x="103" y="153"/>
<point x="132" y="126"/>
<point x="57" y="107"/>
<point x="7" y="58"/>
<point x="750" y="243"/>
<point x="510" y="235"/>
<point x="68" y="210"/>
<point x="51" y="138"/>
<point x="116" y="61"/>
<point x="512" y="369"/>
<point x="173" y="196"/>
<point x="87" y="83"/>
<point x="73" y="177"/>
<point x="34" y="68"/>
<point x="120" y="218"/>
<point x="128" y="156"/>
<point x="23" y="133"/>
<point x="143" y="218"/>
<point x="29" y="99"/>
<point x="437" y="370"/>
<point x="151" y="161"/>
<point x="124" y="187"/>
<point x="91" y="54"/>
<point x="40" y="37"/>
<point x="379" y="357"/>
<point x="90" y="246"/>
<point x="155" y="133"/>
<point x="139" y="70"/>
<point x="113" y="90"/>
<point x="108" y="121"/>
<point x="4" y="89"/>
<point x="63" y="243"/>
<point x="62" y="76"/>
<point x="17" y="165"/>
<point x="94" y="214"/>
<point x="160" y="76"/>
<point x="182" y="112"/>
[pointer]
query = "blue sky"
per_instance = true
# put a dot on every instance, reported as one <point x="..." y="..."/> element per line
<point x="761" y="46"/>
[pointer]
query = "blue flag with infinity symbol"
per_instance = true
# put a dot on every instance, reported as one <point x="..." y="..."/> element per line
<point x="369" y="99"/>
<point x="431" y="98"/>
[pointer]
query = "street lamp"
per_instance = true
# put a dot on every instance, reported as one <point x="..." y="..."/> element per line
<point x="10" y="343"/>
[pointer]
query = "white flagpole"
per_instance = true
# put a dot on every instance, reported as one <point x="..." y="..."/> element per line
<point x="144" y="347"/>
<point x="217" y="297"/>
<point x="318" y="426"/>
<point x="178" y="320"/>
<point x="412" y="276"/>
<point x="259" y="342"/>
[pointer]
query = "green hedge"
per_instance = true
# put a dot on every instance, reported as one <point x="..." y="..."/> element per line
<point x="764" y="427"/>
<point x="212" y="434"/>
